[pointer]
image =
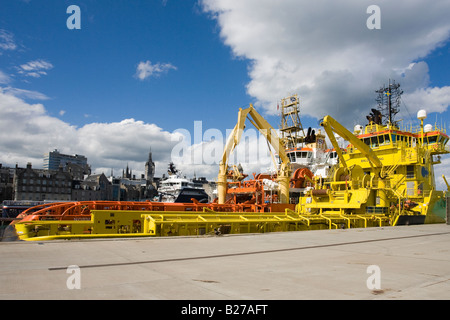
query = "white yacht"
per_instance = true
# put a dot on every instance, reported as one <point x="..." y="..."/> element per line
<point x="176" y="188"/>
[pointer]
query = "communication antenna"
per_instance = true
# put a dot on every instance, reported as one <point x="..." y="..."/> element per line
<point x="389" y="98"/>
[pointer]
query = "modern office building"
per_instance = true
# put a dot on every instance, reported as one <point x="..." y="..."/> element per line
<point x="54" y="159"/>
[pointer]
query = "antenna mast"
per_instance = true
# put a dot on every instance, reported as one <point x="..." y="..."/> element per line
<point x="389" y="102"/>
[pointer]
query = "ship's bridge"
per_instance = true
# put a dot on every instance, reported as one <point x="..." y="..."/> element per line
<point x="433" y="138"/>
<point x="301" y="155"/>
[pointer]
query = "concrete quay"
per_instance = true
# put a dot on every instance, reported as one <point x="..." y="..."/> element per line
<point x="412" y="262"/>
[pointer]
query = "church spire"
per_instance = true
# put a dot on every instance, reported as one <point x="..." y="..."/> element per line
<point x="150" y="167"/>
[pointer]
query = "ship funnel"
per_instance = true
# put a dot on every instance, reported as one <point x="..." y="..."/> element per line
<point x="422" y="114"/>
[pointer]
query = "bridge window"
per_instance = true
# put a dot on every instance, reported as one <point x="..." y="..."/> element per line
<point x="394" y="138"/>
<point x="291" y="157"/>
<point x="432" y="139"/>
<point x="367" y="141"/>
<point x="303" y="155"/>
<point x="374" y="142"/>
<point x="405" y="139"/>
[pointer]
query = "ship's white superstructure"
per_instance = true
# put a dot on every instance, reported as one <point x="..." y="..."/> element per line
<point x="176" y="188"/>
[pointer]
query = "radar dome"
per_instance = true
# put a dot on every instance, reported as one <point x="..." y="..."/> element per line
<point x="422" y="114"/>
<point x="358" y="128"/>
<point x="428" y="128"/>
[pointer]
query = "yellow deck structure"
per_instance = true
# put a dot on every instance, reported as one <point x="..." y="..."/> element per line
<point x="122" y="224"/>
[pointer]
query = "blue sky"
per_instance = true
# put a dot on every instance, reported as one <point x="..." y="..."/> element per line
<point x="168" y="63"/>
<point x="93" y="75"/>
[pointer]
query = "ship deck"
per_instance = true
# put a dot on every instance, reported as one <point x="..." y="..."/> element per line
<point x="328" y="264"/>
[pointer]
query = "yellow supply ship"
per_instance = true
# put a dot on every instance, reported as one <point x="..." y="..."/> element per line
<point x="385" y="177"/>
<point x="385" y="169"/>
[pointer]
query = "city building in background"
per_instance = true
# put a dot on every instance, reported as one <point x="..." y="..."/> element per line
<point x="6" y="183"/>
<point x="40" y="184"/>
<point x="54" y="159"/>
<point x="68" y="178"/>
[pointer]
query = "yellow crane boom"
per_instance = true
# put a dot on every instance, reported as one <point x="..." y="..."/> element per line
<point x="284" y="173"/>
<point x="330" y="125"/>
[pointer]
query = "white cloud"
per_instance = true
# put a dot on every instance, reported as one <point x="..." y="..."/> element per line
<point x="26" y="94"/>
<point x="203" y="157"/>
<point x="35" y="69"/>
<point x="128" y="140"/>
<point x="6" y="41"/>
<point x="36" y="65"/>
<point x="4" y="78"/>
<point x="432" y="99"/>
<point x="147" y="69"/>
<point x="28" y="132"/>
<point x="324" y="51"/>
